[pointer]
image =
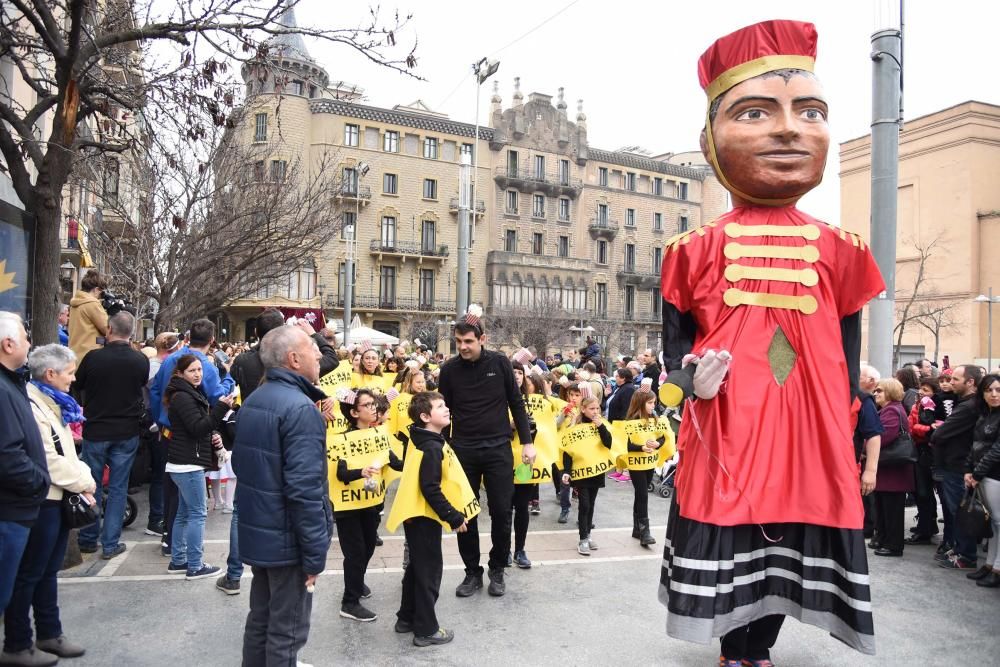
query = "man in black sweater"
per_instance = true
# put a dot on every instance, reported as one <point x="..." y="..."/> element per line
<point x="111" y="380"/>
<point x="952" y="441"/>
<point x="478" y="387"/>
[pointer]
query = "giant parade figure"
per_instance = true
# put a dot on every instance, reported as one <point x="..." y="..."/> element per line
<point x="762" y="331"/>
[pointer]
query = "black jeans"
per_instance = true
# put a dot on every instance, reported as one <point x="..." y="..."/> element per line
<point x="158" y="464"/>
<point x="890" y="508"/>
<point x="356" y="532"/>
<point x="753" y="641"/>
<point x="927" y="525"/>
<point x="278" y="623"/>
<point x="493" y="466"/>
<point x="640" y="484"/>
<point x="562" y="490"/>
<point x="422" y="578"/>
<point x="523" y="495"/>
<point x="170" y="502"/>
<point x="585" y="508"/>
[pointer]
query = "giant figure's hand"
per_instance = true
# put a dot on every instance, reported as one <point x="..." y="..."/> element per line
<point x="711" y="371"/>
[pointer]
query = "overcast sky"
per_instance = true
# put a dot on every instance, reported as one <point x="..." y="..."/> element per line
<point x="634" y="64"/>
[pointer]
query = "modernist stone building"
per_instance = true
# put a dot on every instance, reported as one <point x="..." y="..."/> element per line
<point x="562" y="227"/>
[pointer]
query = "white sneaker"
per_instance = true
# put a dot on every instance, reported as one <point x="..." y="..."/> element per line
<point x="591" y="544"/>
<point x="299" y="663"/>
<point x="583" y="548"/>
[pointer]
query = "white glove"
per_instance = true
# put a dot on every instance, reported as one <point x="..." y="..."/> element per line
<point x="711" y="371"/>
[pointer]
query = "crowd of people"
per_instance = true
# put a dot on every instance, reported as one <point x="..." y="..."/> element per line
<point x="287" y="416"/>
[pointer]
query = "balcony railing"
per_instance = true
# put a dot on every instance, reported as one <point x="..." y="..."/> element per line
<point x="527" y="174"/>
<point x="603" y="223"/>
<point x="351" y="191"/>
<point x="453" y="205"/>
<point x="392" y="303"/>
<point x="407" y="248"/>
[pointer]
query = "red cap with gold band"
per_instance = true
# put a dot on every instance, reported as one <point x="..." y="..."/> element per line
<point x="747" y="53"/>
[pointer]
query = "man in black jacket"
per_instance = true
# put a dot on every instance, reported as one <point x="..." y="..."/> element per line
<point x="952" y="441"/>
<point x="478" y="387"/>
<point x="112" y="379"/>
<point x="24" y="474"/>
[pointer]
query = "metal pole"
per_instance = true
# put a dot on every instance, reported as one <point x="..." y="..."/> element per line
<point x="989" y="333"/>
<point x="462" y="280"/>
<point x="349" y="265"/>
<point x="886" y="73"/>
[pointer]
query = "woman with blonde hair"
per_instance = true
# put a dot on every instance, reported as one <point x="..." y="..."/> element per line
<point x="894" y="480"/>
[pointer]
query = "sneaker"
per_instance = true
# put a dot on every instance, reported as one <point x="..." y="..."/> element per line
<point x="87" y="549"/>
<point x="592" y="543"/>
<point x="177" y="569"/>
<point x="29" y="656"/>
<point x="205" y="571"/>
<point x="228" y="509"/>
<point x="534" y="507"/>
<point x="497" y="587"/>
<point x="227" y="585"/>
<point x="365" y="592"/>
<point x="469" y="585"/>
<point x="563" y="516"/>
<point x="403" y="627"/>
<point x="725" y="662"/>
<point x="118" y="550"/>
<point x="583" y="548"/>
<point x="942" y="556"/>
<point x="615" y="475"/>
<point x="357" y="612"/>
<point x="165" y="550"/>
<point x="624" y="477"/>
<point x="521" y="558"/>
<point x="442" y="636"/>
<point x="154" y="528"/>
<point x="510" y="560"/>
<point x="378" y="541"/>
<point x="957" y="563"/>
<point x="757" y="663"/>
<point x="917" y="539"/>
<point x="61" y="647"/>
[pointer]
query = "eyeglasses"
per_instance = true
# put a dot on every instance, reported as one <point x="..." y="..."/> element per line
<point x="369" y="404"/>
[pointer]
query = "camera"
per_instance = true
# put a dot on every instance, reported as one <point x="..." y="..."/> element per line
<point x="113" y="304"/>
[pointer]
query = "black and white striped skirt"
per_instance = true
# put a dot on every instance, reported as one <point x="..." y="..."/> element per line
<point x="718" y="578"/>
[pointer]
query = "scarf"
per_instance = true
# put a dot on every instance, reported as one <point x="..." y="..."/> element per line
<point x="71" y="411"/>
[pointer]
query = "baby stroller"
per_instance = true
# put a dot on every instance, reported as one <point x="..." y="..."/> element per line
<point x="131" y="509"/>
<point x="663" y="478"/>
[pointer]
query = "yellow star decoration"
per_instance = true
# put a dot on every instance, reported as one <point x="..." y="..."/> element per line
<point x="6" y="279"/>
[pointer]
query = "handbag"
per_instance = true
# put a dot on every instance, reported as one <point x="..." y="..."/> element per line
<point x="973" y="517"/>
<point x="77" y="512"/>
<point x="901" y="450"/>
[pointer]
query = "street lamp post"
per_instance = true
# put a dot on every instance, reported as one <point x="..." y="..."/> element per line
<point x="352" y="250"/>
<point x="989" y="300"/>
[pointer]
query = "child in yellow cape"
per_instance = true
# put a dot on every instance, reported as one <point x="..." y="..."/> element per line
<point x="357" y="494"/>
<point x="433" y="492"/>
<point x="586" y="458"/>
<point x="369" y="374"/>
<point x="399" y="422"/>
<point x="649" y="442"/>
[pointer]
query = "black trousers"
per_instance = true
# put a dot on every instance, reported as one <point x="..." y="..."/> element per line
<point x="422" y="578"/>
<point x="493" y="466"/>
<point x="640" y="484"/>
<point x="890" y="508"/>
<point x="278" y="623"/>
<point x="927" y="525"/>
<point x="523" y="495"/>
<point x="170" y="499"/>
<point x="585" y="509"/>
<point x="868" y="503"/>
<point x="753" y="641"/>
<point x="356" y="532"/>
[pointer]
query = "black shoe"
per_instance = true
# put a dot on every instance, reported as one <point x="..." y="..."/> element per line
<point x="510" y="560"/>
<point x="442" y="636"/>
<point x="469" y="585"/>
<point x="227" y="585"/>
<point x="918" y="539"/>
<point x="496" y="588"/>
<point x="165" y="551"/>
<point x="992" y="580"/>
<point x="883" y="551"/>
<point x="365" y="592"/>
<point x="874" y="544"/>
<point x="563" y="516"/>
<point x="403" y="627"/>
<point x="645" y="537"/>
<point x="88" y="548"/>
<point x="522" y="561"/>
<point x="205" y="572"/>
<point x="118" y="550"/>
<point x="980" y="573"/>
<point x="154" y="528"/>
<point x="357" y="612"/>
<point x="378" y="541"/>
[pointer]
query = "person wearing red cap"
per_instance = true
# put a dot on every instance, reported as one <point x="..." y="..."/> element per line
<point x="767" y="521"/>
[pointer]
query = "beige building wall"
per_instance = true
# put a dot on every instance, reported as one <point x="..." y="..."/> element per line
<point x="949" y="168"/>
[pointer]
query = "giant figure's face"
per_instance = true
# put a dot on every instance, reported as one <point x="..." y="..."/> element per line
<point x="771" y="136"/>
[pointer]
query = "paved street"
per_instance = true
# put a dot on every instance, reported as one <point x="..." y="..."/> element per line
<point x="599" y="610"/>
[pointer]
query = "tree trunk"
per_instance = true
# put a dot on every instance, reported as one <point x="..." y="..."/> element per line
<point x="45" y="287"/>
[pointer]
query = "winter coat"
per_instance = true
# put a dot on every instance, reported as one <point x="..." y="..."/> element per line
<point x="191" y="425"/>
<point x="952" y="440"/>
<point x="619" y="402"/>
<point x="984" y="457"/>
<point x="66" y="471"/>
<point x="897" y="477"/>
<point x="280" y="459"/>
<point x="24" y="476"/>
<point x="87" y="321"/>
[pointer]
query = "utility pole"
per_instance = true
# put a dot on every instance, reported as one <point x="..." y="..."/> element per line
<point x="461" y="280"/>
<point x="887" y="71"/>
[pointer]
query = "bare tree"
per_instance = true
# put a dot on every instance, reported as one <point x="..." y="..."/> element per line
<point x="908" y="304"/>
<point x="937" y="318"/>
<point x="426" y="330"/>
<point x="89" y="64"/>
<point x="542" y="326"/>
